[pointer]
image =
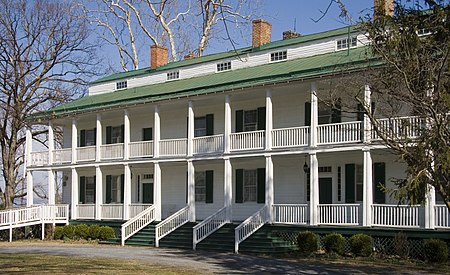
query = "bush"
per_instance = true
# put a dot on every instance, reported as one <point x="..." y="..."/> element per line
<point x="435" y="250"/>
<point x="94" y="232"/>
<point x="59" y="233"/>
<point x="106" y="232"/>
<point x="69" y="231"/>
<point x="361" y="245"/>
<point x="307" y="242"/>
<point x="82" y="231"/>
<point x="334" y="243"/>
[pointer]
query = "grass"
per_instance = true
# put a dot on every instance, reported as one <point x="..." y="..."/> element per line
<point x="50" y="264"/>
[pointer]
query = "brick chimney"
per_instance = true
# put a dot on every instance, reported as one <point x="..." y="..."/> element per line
<point x="290" y="34"/>
<point x="261" y="33"/>
<point x="189" y="56"/>
<point x="383" y="8"/>
<point x="158" y="56"/>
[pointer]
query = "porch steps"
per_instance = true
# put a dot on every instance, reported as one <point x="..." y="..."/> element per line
<point x="221" y="241"/>
<point x="266" y="241"/>
<point x="180" y="238"/>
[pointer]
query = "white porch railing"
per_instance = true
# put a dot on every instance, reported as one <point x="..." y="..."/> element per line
<point x="173" y="147"/>
<point x="54" y="213"/>
<point x="62" y="156"/>
<point x="250" y="226"/>
<point x="208" y="144"/>
<point x="112" y="211"/>
<point x="345" y="132"/>
<point x="86" y="153"/>
<point x="86" y="211"/>
<point x="291" y="213"/>
<point x="247" y="140"/>
<point x="208" y="226"/>
<point x="441" y="216"/>
<point x="395" y="215"/>
<point x="135" y="224"/>
<point x="112" y="151"/>
<point x="338" y="214"/>
<point x="170" y="224"/>
<point x="290" y="137"/>
<point x="39" y="158"/>
<point x="400" y="127"/>
<point x="137" y="208"/>
<point x="140" y="149"/>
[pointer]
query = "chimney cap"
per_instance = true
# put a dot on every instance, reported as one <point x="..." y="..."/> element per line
<point x="290" y="34"/>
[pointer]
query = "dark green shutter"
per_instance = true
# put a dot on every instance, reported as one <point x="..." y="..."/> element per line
<point x="239" y="121"/>
<point x="108" y="189"/>
<point x="122" y="187"/>
<point x="147" y="134"/>
<point x="108" y="135"/>
<point x="82" y="138"/>
<point x="209" y="186"/>
<point x="82" y="193"/>
<point x="360" y="114"/>
<point x="261" y="185"/>
<point x="122" y="133"/>
<point x="95" y="136"/>
<point x="307" y="113"/>
<point x="350" y="183"/>
<point x="261" y="118"/>
<point x="379" y="179"/>
<point x="210" y="125"/>
<point x="95" y="189"/>
<point x="187" y="186"/>
<point x="336" y="113"/>
<point x="239" y="186"/>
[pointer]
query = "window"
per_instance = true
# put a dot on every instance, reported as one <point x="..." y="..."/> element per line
<point x="200" y="126"/>
<point x="359" y="182"/>
<point x="250" y="183"/>
<point x="147" y="134"/>
<point x="114" y="188"/>
<point x="116" y="134"/>
<point x="173" y="75"/>
<point x="226" y="66"/>
<point x="200" y="186"/>
<point x="277" y="56"/>
<point x="87" y="137"/>
<point x="121" y="85"/>
<point x="329" y="114"/>
<point x="147" y="176"/>
<point x="250" y="120"/>
<point x="90" y="190"/>
<point x="324" y="169"/>
<point x="344" y="43"/>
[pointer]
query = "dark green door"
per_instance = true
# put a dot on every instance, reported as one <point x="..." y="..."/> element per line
<point x="325" y="190"/>
<point x="147" y="192"/>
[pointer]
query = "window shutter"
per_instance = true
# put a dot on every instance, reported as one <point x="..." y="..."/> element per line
<point x="307" y="113"/>
<point x="261" y="185"/>
<point x="336" y="113"/>
<point x="108" y="134"/>
<point x="147" y="134"/>
<point x="187" y="186"/>
<point x="239" y="121"/>
<point x="122" y="133"/>
<point x="82" y="138"/>
<point x="95" y="136"/>
<point x="82" y="197"/>
<point x="350" y="183"/>
<point x="122" y="187"/>
<point x="261" y="118"/>
<point x="379" y="179"/>
<point x="108" y="189"/>
<point x="209" y="186"/>
<point x="360" y="114"/>
<point x="210" y="125"/>
<point x="239" y="186"/>
<point x="95" y="189"/>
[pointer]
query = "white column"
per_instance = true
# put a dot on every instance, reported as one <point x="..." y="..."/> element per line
<point x="51" y="143"/>
<point x="98" y="192"/>
<point x="126" y="135"/>
<point x="430" y="203"/>
<point x="157" y="191"/>
<point x="368" y="188"/>
<point x="98" y="141"/>
<point x="228" y="188"/>
<point x="314" y="116"/>
<point x="190" y="137"/>
<point x="314" y="189"/>
<point x="367" y="124"/>
<point x="74" y="141"/>
<point x="191" y="190"/>
<point x="157" y="133"/>
<point x="127" y="192"/>
<point x="269" y="120"/>
<point x="227" y="132"/>
<point x="30" y="192"/>
<point x="75" y="193"/>
<point x="269" y="187"/>
<point x="51" y="187"/>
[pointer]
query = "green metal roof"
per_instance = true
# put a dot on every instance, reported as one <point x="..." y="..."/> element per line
<point x="229" y="54"/>
<point x="302" y="68"/>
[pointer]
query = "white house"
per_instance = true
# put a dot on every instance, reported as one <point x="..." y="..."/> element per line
<point x="229" y="137"/>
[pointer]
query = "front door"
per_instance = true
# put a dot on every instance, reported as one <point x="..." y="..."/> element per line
<point x="325" y="190"/>
<point x="147" y="192"/>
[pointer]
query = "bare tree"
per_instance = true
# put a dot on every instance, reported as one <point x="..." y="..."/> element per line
<point x="44" y="58"/>
<point x="182" y="26"/>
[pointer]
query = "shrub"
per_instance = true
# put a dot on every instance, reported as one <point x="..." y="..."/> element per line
<point x="361" y="245"/>
<point x="82" y="231"/>
<point x="106" y="232"/>
<point x="307" y="242"/>
<point x="334" y="243"/>
<point x="59" y="233"/>
<point x="94" y="231"/>
<point x="435" y="250"/>
<point x="69" y="231"/>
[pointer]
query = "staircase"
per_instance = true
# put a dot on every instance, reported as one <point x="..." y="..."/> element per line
<point x="265" y="240"/>
<point x="145" y="237"/>
<point x="180" y="238"/>
<point x="221" y="241"/>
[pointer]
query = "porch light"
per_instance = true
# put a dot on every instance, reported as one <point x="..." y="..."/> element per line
<point x="305" y="166"/>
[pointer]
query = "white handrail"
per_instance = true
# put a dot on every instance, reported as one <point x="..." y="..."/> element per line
<point x="442" y="216"/>
<point x="395" y="215"/>
<point x="250" y="226"/>
<point x="209" y="225"/>
<point x="334" y="214"/>
<point x="170" y="224"/>
<point x="290" y="213"/>
<point x="135" y="224"/>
